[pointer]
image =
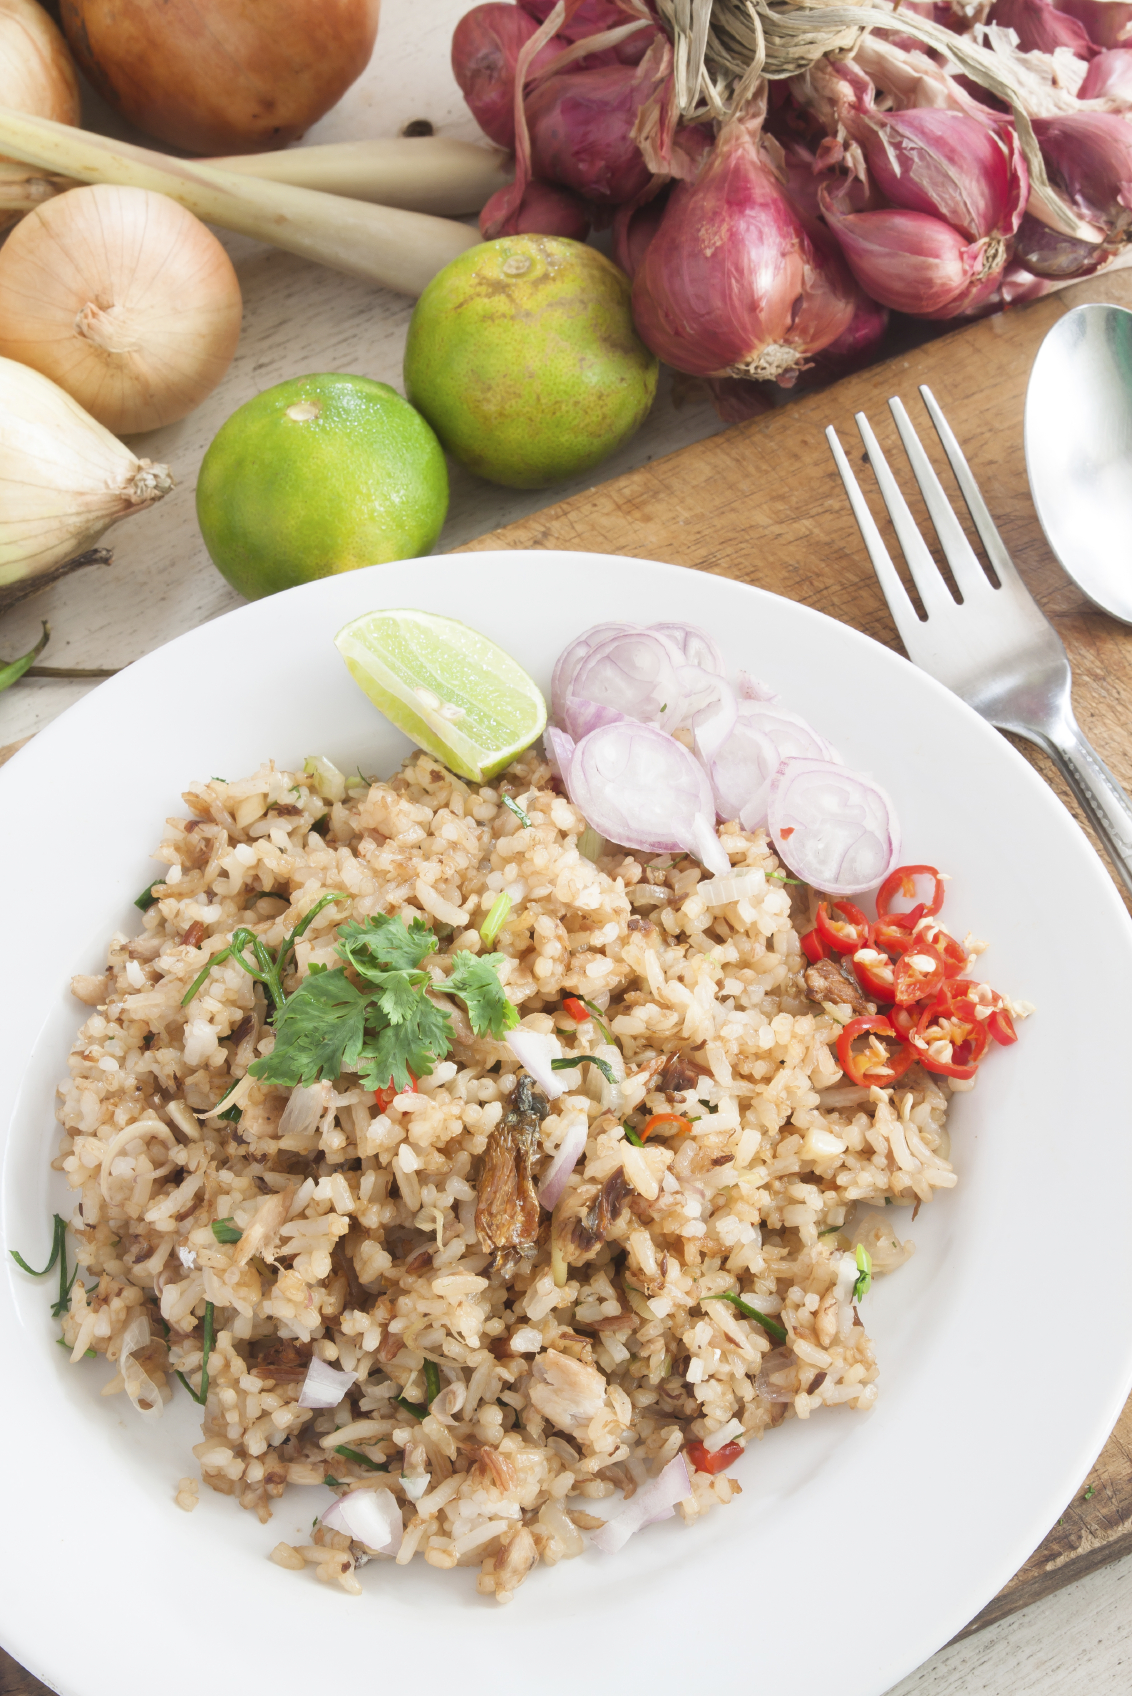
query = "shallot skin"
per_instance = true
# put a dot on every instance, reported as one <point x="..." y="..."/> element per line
<point x="1089" y="154"/>
<point x="1109" y="77"/>
<point x="221" y="76"/>
<point x="731" y="285"/>
<point x="544" y="210"/>
<point x="485" y="45"/>
<point x="948" y="165"/>
<point x="915" y="263"/>
<point x="1042" y="27"/>
<point x="581" y="125"/>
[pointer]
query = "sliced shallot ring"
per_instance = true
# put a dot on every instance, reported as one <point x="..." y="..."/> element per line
<point x="535" y="1051"/>
<point x="633" y="673"/>
<point x="640" y="787"/>
<point x="745" y="763"/>
<point x="835" y="829"/>
<point x="695" y="644"/>
<point x="570" y="659"/>
<point x="559" y="751"/>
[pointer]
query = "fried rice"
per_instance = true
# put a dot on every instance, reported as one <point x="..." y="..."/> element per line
<point x="360" y="1235"/>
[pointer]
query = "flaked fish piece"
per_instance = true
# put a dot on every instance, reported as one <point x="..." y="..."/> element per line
<point x="566" y="1392"/>
<point x="507" y="1209"/>
<point x="586" y="1218"/>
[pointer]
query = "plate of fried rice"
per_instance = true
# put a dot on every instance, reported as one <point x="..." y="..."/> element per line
<point x="729" y="1365"/>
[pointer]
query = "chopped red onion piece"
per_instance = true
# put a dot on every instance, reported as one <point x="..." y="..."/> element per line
<point x="641" y="788"/>
<point x="324" y="1385"/>
<point x="535" y="1051"/>
<point x="695" y="644"/>
<point x="749" y="688"/>
<point x="833" y="828"/>
<point x="372" y="1517"/>
<point x="569" y="660"/>
<point x="743" y="767"/>
<point x="559" y="750"/>
<point x="570" y="1151"/>
<point x="653" y="1500"/>
<point x="633" y="673"/>
<point x="305" y="1106"/>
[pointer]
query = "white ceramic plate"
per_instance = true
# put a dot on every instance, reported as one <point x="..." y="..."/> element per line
<point x="860" y="1544"/>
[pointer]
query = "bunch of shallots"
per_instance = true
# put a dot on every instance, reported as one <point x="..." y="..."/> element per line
<point x="936" y="181"/>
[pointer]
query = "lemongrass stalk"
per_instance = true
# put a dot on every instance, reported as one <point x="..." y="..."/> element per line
<point x="382" y="244"/>
<point x="428" y="173"/>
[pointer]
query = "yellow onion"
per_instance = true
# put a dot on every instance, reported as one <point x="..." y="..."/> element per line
<point x="37" y="75"/>
<point x="124" y="299"/>
<point x="63" y="478"/>
<point x="222" y="76"/>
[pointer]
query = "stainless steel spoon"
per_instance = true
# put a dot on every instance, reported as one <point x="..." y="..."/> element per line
<point x="1078" y="435"/>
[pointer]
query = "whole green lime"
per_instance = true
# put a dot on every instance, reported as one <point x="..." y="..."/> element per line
<point x="319" y="475"/>
<point x="523" y="357"/>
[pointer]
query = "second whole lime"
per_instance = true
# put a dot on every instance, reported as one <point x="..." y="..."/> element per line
<point x="319" y="475"/>
<point x="523" y="357"/>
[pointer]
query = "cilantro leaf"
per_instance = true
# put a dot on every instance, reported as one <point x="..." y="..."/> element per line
<point x="384" y="943"/>
<point x="475" y="979"/>
<point x="398" y="994"/>
<point x="396" y="1054"/>
<point x="319" y="1031"/>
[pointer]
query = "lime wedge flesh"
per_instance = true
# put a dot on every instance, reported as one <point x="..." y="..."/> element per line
<point x="455" y="693"/>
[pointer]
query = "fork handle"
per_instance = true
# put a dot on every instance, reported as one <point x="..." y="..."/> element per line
<point x="1104" y="801"/>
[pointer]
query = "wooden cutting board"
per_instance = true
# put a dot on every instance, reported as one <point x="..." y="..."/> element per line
<point x="763" y="504"/>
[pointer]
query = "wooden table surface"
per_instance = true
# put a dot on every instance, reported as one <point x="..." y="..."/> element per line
<point x="760" y="503"/>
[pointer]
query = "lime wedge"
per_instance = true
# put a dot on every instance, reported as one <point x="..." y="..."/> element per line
<point x="447" y="687"/>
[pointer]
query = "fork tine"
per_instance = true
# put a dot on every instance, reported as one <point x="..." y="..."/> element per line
<point x="957" y="550"/>
<point x="934" y="593"/>
<point x="1004" y="566"/>
<point x="899" y="605"/>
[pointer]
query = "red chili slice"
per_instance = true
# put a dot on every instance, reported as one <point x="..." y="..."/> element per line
<point x="902" y="882"/>
<point x="903" y="1021"/>
<point x="384" y="1097"/>
<point x="812" y="947"/>
<point x="955" y="1022"/>
<point x="897" y="932"/>
<point x="713" y="1460"/>
<point x="919" y="974"/>
<point x="576" y="1009"/>
<point x="867" y="1067"/>
<point x="845" y="934"/>
<point x="874" y="973"/>
<point x="1001" y="1027"/>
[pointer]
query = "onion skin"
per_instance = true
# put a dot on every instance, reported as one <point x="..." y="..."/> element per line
<point x="1046" y="253"/>
<point x="37" y="73"/>
<point x="124" y="299"/>
<point x="1108" y="23"/>
<point x="221" y="76"/>
<point x="731" y="285"/>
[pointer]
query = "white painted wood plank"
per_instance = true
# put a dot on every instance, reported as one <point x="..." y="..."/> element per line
<point x="1077" y="1642"/>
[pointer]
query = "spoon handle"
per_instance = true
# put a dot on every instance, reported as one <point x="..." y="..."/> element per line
<point x="1104" y="801"/>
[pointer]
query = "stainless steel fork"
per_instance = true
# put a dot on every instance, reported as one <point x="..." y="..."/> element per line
<point x="995" y="648"/>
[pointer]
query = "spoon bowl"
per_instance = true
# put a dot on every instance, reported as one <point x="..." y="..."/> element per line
<point x="1078" y="436"/>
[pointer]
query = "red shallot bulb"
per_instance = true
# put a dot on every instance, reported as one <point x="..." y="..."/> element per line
<point x="913" y="262"/>
<point x="589" y="18"/>
<point x="1041" y="27"/>
<point x="581" y="125"/>
<point x="1108" y="22"/>
<point x="1109" y="77"/>
<point x="1048" y="253"/>
<point x="485" y="45"/>
<point x="949" y="165"/>
<point x="732" y="285"/>
<point x="633" y="228"/>
<point x="1089" y="157"/>
<point x="544" y="210"/>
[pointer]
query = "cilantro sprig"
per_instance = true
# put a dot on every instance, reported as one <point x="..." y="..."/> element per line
<point x="386" y="1028"/>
